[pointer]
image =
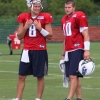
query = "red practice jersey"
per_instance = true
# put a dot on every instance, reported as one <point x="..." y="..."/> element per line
<point x="33" y="39"/>
<point x="71" y="26"/>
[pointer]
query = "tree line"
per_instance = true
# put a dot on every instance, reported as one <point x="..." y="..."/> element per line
<point x="12" y="8"/>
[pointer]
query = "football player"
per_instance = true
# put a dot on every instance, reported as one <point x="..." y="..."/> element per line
<point x="76" y="46"/>
<point x="9" y="41"/>
<point x="34" y="28"/>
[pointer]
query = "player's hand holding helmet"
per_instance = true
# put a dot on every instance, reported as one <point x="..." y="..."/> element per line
<point x="86" y="67"/>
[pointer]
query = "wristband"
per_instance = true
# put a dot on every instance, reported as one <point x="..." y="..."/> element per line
<point x="86" y="45"/>
<point x="44" y="32"/>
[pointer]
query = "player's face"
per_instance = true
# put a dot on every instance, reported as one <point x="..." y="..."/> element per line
<point x="36" y="8"/>
<point x="69" y="9"/>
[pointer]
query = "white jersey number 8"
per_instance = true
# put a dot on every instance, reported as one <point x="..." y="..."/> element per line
<point x="32" y="31"/>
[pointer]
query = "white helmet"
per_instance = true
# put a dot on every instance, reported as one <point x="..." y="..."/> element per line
<point x="31" y="2"/>
<point x="86" y="67"/>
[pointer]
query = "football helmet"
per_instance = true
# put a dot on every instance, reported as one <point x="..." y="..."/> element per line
<point x="31" y="2"/>
<point x="86" y="67"/>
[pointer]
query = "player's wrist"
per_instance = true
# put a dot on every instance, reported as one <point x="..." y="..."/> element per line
<point x="44" y="32"/>
<point x="63" y="55"/>
<point x="86" y="45"/>
<point x="40" y="28"/>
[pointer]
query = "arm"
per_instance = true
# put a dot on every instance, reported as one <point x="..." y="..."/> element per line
<point x="86" y="44"/>
<point x="63" y="50"/>
<point x="23" y="28"/>
<point x="49" y="29"/>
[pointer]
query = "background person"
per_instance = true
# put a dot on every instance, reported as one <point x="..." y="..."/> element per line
<point x="9" y="41"/>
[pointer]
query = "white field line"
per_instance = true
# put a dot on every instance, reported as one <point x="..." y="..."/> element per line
<point x="18" y="61"/>
<point x="7" y="61"/>
<point x="90" y="88"/>
<point x="49" y="63"/>
<point x="1" y="71"/>
<point x="85" y="88"/>
<point x="7" y="99"/>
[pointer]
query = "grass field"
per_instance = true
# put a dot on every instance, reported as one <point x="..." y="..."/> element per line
<point x="53" y="88"/>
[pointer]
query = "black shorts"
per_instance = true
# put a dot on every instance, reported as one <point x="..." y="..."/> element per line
<point x="37" y="65"/>
<point x="72" y="65"/>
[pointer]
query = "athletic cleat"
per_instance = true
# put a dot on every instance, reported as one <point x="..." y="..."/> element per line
<point x="79" y="99"/>
<point x="37" y="99"/>
<point x="15" y="99"/>
<point x="67" y="99"/>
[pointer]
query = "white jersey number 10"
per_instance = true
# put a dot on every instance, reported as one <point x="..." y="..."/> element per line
<point x="67" y="29"/>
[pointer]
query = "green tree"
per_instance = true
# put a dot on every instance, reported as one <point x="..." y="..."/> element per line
<point x="14" y="8"/>
<point x="5" y="1"/>
<point x="55" y="7"/>
<point x="86" y="6"/>
<point x="5" y="9"/>
<point x="96" y="1"/>
<point x="18" y="6"/>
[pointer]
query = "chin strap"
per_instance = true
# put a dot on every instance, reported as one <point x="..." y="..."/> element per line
<point x="32" y="7"/>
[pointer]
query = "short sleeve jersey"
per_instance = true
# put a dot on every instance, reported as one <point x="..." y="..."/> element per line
<point x="33" y="39"/>
<point x="71" y="27"/>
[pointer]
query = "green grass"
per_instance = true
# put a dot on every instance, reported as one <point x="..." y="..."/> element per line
<point x="53" y="82"/>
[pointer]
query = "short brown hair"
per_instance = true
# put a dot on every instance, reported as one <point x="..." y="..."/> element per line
<point x="70" y="2"/>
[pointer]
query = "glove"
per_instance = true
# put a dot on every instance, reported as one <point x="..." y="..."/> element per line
<point x="65" y="81"/>
<point x="62" y="66"/>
